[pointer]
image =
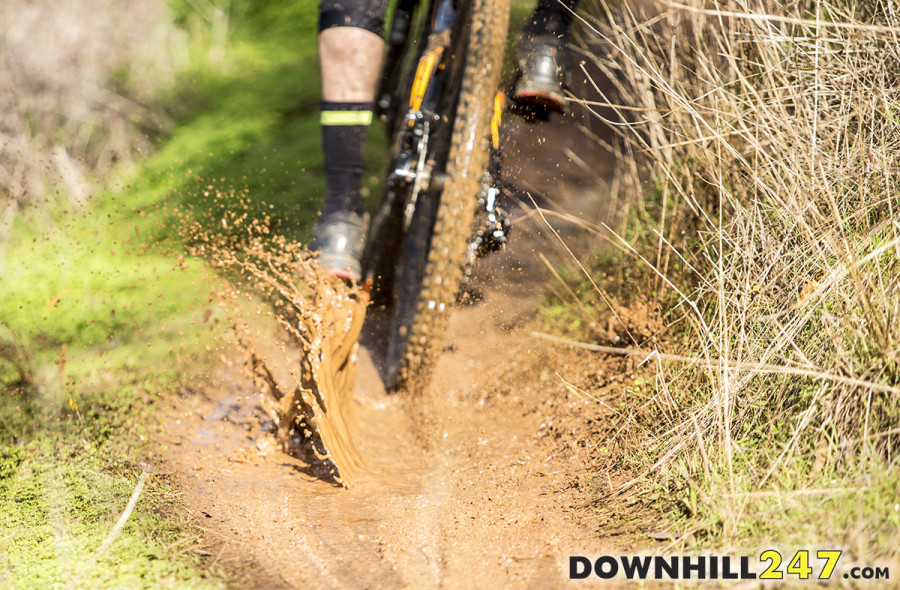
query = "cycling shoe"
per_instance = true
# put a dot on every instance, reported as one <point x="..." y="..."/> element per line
<point x="340" y="239"/>
<point x="542" y="66"/>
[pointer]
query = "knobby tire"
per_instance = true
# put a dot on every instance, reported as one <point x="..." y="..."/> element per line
<point x="454" y="218"/>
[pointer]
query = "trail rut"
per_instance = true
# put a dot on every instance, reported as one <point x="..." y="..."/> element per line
<point x="466" y="488"/>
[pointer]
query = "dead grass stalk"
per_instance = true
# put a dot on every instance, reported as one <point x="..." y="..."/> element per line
<point x="772" y="130"/>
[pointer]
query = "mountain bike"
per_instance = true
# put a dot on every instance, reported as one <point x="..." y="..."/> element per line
<point x="439" y="96"/>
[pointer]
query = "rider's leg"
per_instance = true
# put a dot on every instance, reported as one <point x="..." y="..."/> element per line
<point x="350" y="54"/>
<point x="541" y="55"/>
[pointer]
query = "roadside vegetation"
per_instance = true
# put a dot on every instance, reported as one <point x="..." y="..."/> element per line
<point x="760" y="141"/>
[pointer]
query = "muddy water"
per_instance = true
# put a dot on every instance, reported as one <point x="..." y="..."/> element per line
<point x="314" y="318"/>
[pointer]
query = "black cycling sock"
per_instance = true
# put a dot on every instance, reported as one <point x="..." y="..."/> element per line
<point x="550" y="18"/>
<point x="345" y="128"/>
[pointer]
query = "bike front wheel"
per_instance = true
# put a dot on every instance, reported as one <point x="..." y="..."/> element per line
<point x="433" y="256"/>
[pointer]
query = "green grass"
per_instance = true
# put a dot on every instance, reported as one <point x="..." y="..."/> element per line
<point x="105" y="327"/>
<point x="64" y="485"/>
<point x="251" y="126"/>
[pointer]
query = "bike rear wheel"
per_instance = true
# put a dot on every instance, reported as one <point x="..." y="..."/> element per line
<point x="432" y="258"/>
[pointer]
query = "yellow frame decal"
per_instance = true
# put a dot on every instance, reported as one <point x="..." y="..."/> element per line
<point x="425" y="69"/>
<point x="499" y="104"/>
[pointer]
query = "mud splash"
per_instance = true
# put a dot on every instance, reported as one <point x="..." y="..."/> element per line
<point x="466" y="483"/>
<point x="314" y="310"/>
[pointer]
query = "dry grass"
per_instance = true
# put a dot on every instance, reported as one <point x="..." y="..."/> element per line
<point x="61" y="118"/>
<point x="772" y="132"/>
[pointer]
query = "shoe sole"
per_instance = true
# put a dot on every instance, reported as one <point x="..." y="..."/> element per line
<point x="542" y="100"/>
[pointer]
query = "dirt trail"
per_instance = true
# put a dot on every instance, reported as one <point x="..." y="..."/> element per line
<point x="465" y="489"/>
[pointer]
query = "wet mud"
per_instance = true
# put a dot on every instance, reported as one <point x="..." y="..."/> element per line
<point x="464" y="485"/>
<point x="486" y="478"/>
